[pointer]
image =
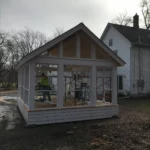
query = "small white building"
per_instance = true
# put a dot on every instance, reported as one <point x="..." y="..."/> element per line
<point x="82" y="73"/>
<point x="132" y="44"/>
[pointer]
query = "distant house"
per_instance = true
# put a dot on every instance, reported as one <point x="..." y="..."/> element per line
<point x="132" y="44"/>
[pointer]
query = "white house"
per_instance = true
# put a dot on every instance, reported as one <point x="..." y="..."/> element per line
<point x="82" y="73"/>
<point x="132" y="44"/>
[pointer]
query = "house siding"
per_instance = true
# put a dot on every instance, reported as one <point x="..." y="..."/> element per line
<point x="72" y="114"/>
<point x="122" y="45"/>
<point x="23" y="110"/>
<point x="136" y="62"/>
<point x="49" y="116"/>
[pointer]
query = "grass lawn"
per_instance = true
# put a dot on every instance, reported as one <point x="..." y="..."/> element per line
<point x="138" y="104"/>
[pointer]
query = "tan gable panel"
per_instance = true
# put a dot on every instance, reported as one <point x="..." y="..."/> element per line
<point x="101" y="54"/>
<point x="85" y="46"/>
<point x="52" y="51"/>
<point x="69" y="47"/>
<point x="86" y="43"/>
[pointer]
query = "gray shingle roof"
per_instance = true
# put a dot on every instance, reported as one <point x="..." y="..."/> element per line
<point x="134" y="35"/>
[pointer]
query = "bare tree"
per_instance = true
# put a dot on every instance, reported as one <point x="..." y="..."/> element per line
<point x="123" y="19"/>
<point x="3" y="36"/>
<point x="57" y="32"/>
<point x="4" y="56"/>
<point x="13" y="47"/>
<point x="3" y="52"/>
<point x="26" y="41"/>
<point x="145" y="8"/>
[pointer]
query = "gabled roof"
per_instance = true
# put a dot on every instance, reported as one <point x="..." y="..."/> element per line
<point x="62" y="37"/>
<point x="134" y="35"/>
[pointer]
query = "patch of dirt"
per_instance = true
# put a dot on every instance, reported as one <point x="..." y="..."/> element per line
<point x="9" y="115"/>
<point x="131" y="131"/>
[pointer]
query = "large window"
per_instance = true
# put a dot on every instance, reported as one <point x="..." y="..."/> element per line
<point x="46" y="85"/>
<point x="77" y="83"/>
<point x="23" y="84"/>
<point x="103" y="87"/>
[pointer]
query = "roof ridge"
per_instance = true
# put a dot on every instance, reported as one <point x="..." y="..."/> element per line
<point x="128" y="27"/>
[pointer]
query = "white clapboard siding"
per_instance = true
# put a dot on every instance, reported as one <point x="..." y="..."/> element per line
<point x="23" y="110"/>
<point x="123" y="47"/>
<point x="68" y="115"/>
<point x="50" y="116"/>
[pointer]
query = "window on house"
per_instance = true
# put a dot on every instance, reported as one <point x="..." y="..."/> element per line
<point x="115" y="51"/>
<point x="120" y="82"/>
<point x="110" y="42"/>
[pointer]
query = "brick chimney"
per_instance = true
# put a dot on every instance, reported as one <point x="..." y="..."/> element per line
<point x="136" y="21"/>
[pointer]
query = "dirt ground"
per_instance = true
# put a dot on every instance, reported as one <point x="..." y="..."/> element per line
<point x="131" y="131"/>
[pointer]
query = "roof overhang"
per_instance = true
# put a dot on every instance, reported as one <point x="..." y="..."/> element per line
<point x="105" y="31"/>
<point x="140" y="45"/>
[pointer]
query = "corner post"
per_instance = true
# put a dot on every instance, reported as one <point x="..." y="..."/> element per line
<point x="24" y="72"/>
<point x="60" y="96"/>
<point x="114" y="85"/>
<point x="93" y="86"/>
<point x="31" y="86"/>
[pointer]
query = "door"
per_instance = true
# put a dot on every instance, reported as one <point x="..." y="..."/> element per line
<point x="120" y="82"/>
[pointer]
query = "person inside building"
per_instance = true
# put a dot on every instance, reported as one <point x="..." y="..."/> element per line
<point x="44" y="84"/>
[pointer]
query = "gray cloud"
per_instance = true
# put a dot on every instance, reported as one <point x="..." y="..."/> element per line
<point x="46" y="15"/>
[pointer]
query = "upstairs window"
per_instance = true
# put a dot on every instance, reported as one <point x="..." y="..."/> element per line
<point x="110" y="42"/>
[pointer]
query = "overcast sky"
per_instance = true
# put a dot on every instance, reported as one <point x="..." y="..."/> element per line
<point x="46" y="15"/>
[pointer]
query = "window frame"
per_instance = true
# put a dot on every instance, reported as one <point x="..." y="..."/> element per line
<point x="110" y="43"/>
